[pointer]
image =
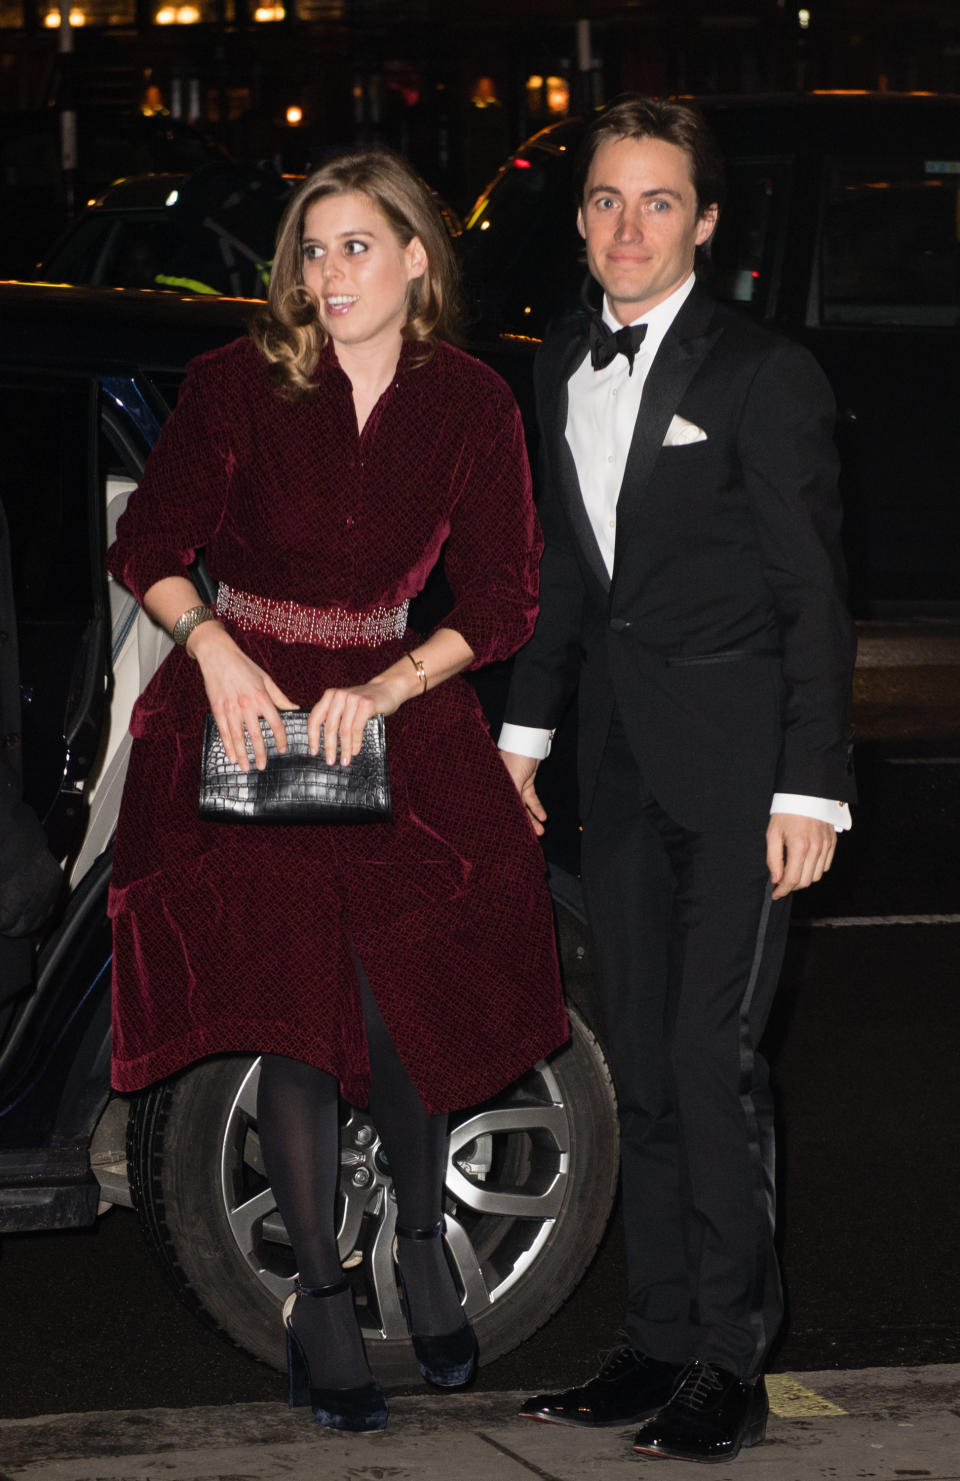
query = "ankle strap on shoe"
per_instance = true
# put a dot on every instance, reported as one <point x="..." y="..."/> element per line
<point x="430" y="1233"/>
<point x="334" y="1289"/>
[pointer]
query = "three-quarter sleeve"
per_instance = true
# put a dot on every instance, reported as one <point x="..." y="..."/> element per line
<point x="181" y="497"/>
<point x="492" y="555"/>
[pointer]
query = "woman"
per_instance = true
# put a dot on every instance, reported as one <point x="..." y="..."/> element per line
<point x="323" y="464"/>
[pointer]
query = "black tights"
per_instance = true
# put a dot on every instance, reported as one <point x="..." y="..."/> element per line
<point x="297" y="1111"/>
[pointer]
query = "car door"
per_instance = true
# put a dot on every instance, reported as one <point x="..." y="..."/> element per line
<point x="49" y="485"/>
<point x="884" y="321"/>
<point x="69" y="443"/>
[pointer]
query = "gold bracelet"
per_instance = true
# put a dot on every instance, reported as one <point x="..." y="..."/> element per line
<point x="421" y="671"/>
<point x="190" y="619"/>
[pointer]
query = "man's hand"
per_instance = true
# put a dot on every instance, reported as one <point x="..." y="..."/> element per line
<point x="799" y="851"/>
<point x="523" y="770"/>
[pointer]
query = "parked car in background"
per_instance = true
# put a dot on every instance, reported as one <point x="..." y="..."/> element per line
<point x="111" y="142"/>
<point x="210" y="232"/>
<point x="86" y="378"/>
<point x="842" y="230"/>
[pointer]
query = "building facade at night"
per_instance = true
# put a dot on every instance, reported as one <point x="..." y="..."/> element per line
<point x="291" y="79"/>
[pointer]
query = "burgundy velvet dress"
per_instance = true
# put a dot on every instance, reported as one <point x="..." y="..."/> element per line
<point x="235" y="937"/>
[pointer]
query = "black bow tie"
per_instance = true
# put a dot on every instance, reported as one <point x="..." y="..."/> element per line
<point x="606" y="343"/>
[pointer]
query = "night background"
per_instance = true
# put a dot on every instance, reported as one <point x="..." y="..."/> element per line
<point x="454" y="88"/>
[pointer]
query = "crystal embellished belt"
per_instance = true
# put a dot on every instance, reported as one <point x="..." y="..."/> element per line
<point x="327" y="627"/>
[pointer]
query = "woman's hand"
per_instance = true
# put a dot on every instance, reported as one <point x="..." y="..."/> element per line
<point x="239" y="692"/>
<point x="343" y="713"/>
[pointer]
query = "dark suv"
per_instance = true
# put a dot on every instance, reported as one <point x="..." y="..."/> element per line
<point x="842" y="228"/>
<point x="86" y="378"/>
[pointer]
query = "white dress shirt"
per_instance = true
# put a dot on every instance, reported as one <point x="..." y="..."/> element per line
<point x="603" y="406"/>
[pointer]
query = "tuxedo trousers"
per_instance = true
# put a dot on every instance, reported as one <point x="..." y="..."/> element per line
<point x="689" y="945"/>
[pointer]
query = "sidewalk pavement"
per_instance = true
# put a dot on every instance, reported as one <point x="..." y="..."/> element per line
<point x="882" y="1424"/>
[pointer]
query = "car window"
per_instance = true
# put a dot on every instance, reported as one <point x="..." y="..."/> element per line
<point x="150" y="250"/>
<point x="137" y="252"/>
<point x="80" y="257"/>
<point x="889" y="250"/>
<point x="746" y="247"/>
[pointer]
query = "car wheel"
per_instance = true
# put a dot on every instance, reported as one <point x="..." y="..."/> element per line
<point x="529" y="1187"/>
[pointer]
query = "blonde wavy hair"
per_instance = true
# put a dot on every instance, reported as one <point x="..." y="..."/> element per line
<point x="289" y="334"/>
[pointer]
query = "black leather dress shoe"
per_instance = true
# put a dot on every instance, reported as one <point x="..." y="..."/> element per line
<point x="629" y="1387"/>
<point x="711" y="1414"/>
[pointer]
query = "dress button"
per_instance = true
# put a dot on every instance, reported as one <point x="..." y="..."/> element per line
<point x="4" y="638"/>
<point x="349" y="521"/>
<point x="611" y="459"/>
<point x="11" y="741"/>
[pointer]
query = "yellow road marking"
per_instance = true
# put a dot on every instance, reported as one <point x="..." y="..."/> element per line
<point x="790" y="1400"/>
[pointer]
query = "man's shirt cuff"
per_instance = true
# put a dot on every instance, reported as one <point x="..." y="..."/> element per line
<point x="526" y="740"/>
<point x="822" y="808"/>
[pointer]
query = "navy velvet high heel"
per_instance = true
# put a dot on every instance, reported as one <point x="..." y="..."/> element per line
<point x="448" y="1360"/>
<point x="358" y="1409"/>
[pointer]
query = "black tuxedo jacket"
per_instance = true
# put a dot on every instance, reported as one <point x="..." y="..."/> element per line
<point x="722" y="637"/>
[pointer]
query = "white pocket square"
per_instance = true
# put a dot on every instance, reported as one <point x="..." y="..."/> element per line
<point x="680" y="432"/>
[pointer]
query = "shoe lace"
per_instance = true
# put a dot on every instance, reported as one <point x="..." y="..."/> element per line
<point x="613" y="1359"/>
<point x="698" y="1387"/>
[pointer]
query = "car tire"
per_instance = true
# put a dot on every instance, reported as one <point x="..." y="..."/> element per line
<point x="530" y="1184"/>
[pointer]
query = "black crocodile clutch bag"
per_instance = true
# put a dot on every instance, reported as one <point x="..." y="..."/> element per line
<point x="296" y="787"/>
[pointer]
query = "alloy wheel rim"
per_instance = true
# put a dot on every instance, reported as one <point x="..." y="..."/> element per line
<point x="508" y="1171"/>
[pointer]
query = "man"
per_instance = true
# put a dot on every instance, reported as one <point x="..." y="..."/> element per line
<point x="691" y="594"/>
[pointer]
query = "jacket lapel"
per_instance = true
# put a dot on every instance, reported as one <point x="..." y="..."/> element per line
<point x="566" y="473"/>
<point x="680" y="356"/>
